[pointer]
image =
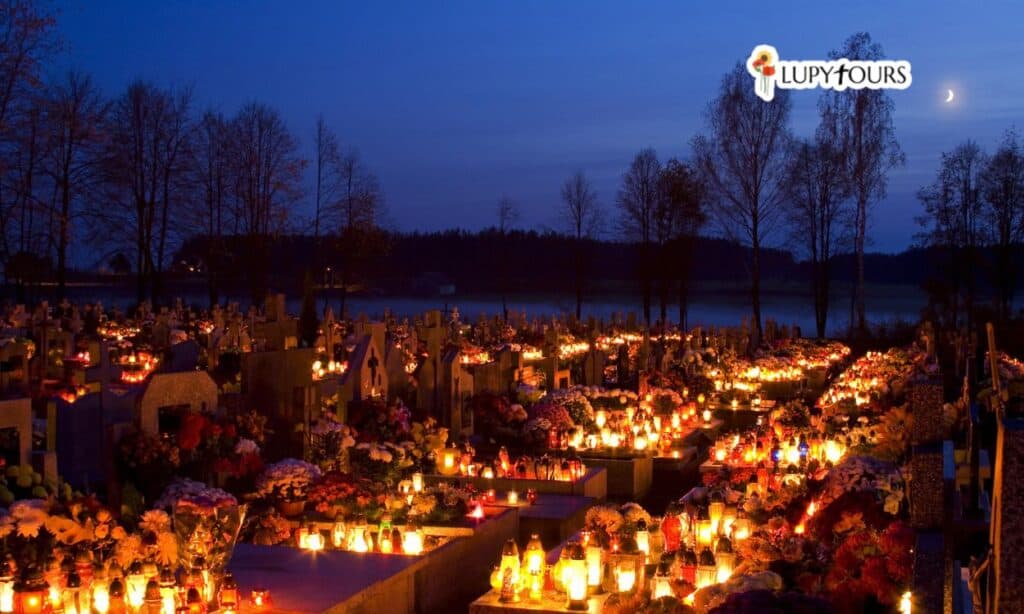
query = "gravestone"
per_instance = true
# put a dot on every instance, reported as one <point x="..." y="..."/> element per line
<point x="195" y="389"/>
<point x="17" y="414"/>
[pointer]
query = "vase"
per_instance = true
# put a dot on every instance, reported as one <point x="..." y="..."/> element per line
<point x="291" y="509"/>
<point x="207" y="535"/>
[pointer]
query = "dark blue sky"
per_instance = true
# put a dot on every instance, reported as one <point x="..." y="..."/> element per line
<point x="455" y="104"/>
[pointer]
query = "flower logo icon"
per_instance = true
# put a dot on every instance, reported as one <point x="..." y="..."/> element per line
<point x="761" y="66"/>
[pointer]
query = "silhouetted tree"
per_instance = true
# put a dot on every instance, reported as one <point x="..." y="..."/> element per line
<point x="27" y="39"/>
<point x="680" y="215"/>
<point x="583" y="219"/>
<point x="210" y="209"/>
<point x="75" y="113"/>
<point x="1002" y="187"/>
<point x="817" y="192"/>
<point x="860" y="121"/>
<point x="328" y="156"/>
<point x="507" y="214"/>
<point x="136" y="173"/>
<point x="742" y="161"/>
<point x="358" y="208"/>
<point x="952" y="213"/>
<point x="638" y="199"/>
<point x="267" y="180"/>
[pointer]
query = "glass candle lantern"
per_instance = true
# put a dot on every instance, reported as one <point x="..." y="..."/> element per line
<point x="417" y="482"/>
<point x="508" y="572"/>
<point x="168" y="590"/>
<point x="533" y="564"/>
<point x="135" y="586"/>
<point x="448" y="461"/>
<point x="704" y="532"/>
<point x="724" y="559"/>
<point x="740" y="528"/>
<point x="513" y="497"/>
<point x="152" y="603"/>
<point x="72" y="595"/>
<point x="30" y="595"/>
<point x="338" y="534"/>
<point x="384" y="543"/>
<point x="643" y="539"/>
<point x="228" y="598"/>
<point x="261" y="600"/>
<point x="194" y="602"/>
<point x="576" y="578"/>
<point x="357" y="538"/>
<point x="412" y="540"/>
<point x="662" y="583"/>
<point x="707" y="570"/>
<point x="716" y="509"/>
<point x="686" y="562"/>
<point x="728" y="517"/>
<point x="99" y="590"/>
<point x="595" y="565"/>
<point x="117" y="597"/>
<point x="533" y="556"/>
<point x="6" y="587"/>
<point x="671" y="529"/>
<point x="625" y="573"/>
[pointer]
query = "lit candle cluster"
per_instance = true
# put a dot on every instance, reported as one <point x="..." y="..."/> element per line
<point x="141" y="589"/>
<point x="362" y="536"/>
<point x="323" y="369"/>
<point x="136" y="366"/>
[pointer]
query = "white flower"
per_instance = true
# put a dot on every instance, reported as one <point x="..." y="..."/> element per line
<point x="246" y="446"/>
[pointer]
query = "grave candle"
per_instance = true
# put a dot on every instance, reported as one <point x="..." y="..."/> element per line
<point x="261" y="600"/>
<point x="576" y="578"/>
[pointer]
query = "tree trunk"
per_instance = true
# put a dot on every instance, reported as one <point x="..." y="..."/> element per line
<point x="755" y="286"/>
<point x="579" y="277"/>
<point x="62" y="239"/>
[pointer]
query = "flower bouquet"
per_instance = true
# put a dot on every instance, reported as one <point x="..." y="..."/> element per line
<point x="206" y="524"/>
<point x="287" y="484"/>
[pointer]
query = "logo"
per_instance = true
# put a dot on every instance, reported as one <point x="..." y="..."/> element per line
<point x="770" y="71"/>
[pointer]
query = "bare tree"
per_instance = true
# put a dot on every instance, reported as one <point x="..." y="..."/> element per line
<point x="26" y="39"/>
<point x="267" y="180"/>
<point x="327" y="167"/>
<point x="75" y="114"/>
<point x="358" y="206"/>
<point x="212" y="176"/>
<point x="1002" y="187"/>
<point x="132" y="171"/>
<point x="817" y="193"/>
<point x="742" y="161"/>
<point x="174" y="165"/>
<point x="861" y="121"/>
<point x="583" y="219"/>
<point x="952" y="214"/>
<point x="638" y="201"/>
<point x="680" y="215"/>
<point x="508" y="215"/>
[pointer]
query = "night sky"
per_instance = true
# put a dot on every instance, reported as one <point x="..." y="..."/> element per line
<point x="456" y="104"/>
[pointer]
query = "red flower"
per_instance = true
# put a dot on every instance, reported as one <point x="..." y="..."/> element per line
<point x="190" y="434"/>
<point x="230" y="430"/>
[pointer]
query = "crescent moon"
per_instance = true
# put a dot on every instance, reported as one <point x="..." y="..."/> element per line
<point x="949" y="96"/>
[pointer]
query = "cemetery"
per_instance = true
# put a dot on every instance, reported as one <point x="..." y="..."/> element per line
<point x="184" y="461"/>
